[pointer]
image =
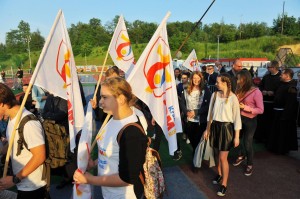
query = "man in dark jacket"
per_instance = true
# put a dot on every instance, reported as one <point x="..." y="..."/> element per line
<point x="284" y="129"/>
<point x="236" y="67"/>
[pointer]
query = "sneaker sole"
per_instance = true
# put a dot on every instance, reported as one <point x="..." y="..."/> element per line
<point x="220" y="194"/>
<point x="246" y="174"/>
<point x="237" y="164"/>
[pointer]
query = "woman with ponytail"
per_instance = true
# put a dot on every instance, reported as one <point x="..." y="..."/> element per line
<point x="224" y="129"/>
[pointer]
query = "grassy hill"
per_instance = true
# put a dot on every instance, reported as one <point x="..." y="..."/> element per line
<point x="257" y="47"/>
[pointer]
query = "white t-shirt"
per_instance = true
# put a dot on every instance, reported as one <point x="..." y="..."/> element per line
<point x="108" y="157"/>
<point x="34" y="136"/>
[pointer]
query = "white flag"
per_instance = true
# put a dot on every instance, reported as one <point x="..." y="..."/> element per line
<point x="152" y="81"/>
<point x="120" y="48"/>
<point x="56" y="72"/>
<point x="191" y="62"/>
<point x="84" y="190"/>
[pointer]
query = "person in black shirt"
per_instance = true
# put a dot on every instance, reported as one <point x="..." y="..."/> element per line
<point x="284" y="129"/>
<point x="19" y="75"/>
<point x="237" y="67"/>
<point x="268" y="86"/>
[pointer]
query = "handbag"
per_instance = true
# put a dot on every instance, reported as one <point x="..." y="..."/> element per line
<point x="209" y="154"/>
<point x="199" y="153"/>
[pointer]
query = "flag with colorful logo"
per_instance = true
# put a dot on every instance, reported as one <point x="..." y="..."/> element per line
<point x="84" y="190"/>
<point x="191" y="61"/>
<point x="152" y="81"/>
<point x="56" y="72"/>
<point x="120" y="48"/>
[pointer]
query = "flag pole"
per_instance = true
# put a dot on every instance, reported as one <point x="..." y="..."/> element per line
<point x="193" y="29"/>
<point x="104" y="63"/>
<point x="33" y="77"/>
<point x="103" y="125"/>
<point x="97" y="87"/>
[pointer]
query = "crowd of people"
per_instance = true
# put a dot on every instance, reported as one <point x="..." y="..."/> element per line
<point x="240" y="112"/>
<point x="225" y="108"/>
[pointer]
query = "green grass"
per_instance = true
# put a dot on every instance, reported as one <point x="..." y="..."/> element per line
<point x="266" y="46"/>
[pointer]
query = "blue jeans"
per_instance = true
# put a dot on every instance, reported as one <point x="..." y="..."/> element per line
<point x="246" y="146"/>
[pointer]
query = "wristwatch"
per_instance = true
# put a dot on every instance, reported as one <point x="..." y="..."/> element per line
<point x="15" y="179"/>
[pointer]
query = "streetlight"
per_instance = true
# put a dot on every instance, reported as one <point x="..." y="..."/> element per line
<point x="28" y="48"/>
<point x="218" y="46"/>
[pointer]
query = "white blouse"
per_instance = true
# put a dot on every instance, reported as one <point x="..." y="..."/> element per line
<point x="226" y="112"/>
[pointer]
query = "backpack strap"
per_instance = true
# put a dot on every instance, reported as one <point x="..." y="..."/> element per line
<point x="21" y="141"/>
<point x="20" y="129"/>
<point x="134" y="124"/>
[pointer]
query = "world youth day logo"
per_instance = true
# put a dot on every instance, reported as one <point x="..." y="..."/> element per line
<point x="64" y="71"/>
<point x="157" y="69"/>
<point x="193" y="62"/>
<point x="62" y="63"/>
<point x="123" y="47"/>
<point x="158" y="75"/>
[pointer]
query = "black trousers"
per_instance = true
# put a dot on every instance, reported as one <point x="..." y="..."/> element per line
<point x="36" y="194"/>
<point x="194" y="132"/>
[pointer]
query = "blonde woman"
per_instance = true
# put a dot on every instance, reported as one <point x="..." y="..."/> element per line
<point x="119" y="164"/>
<point x="225" y="127"/>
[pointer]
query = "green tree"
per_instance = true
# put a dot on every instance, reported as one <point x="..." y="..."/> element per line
<point x="291" y="26"/>
<point x="37" y="41"/>
<point x="16" y="40"/>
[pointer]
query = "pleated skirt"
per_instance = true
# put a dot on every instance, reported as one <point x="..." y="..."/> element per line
<point x="221" y="135"/>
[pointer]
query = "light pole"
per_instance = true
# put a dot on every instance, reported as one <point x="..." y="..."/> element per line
<point x="85" y="58"/>
<point x="218" y="47"/>
<point x="28" y="48"/>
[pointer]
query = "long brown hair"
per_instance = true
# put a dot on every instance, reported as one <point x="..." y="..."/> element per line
<point x="191" y="84"/>
<point x="246" y="85"/>
<point x="226" y="78"/>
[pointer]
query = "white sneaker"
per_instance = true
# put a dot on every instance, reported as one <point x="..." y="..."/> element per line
<point x="153" y="137"/>
<point x="188" y="141"/>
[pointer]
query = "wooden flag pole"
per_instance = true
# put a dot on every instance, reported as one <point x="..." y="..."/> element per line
<point x="104" y="63"/>
<point x="103" y="125"/>
<point x="96" y="90"/>
<point x="34" y="75"/>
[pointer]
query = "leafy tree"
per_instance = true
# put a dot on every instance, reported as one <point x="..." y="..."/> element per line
<point x="16" y="40"/>
<point x="18" y="60"/>
<point x="3" y="53"/>
<point x="254" y="30"/>
<point x="86" y="49"/>
<point x="37" y="41"/>
<point x="291" y="26"/>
